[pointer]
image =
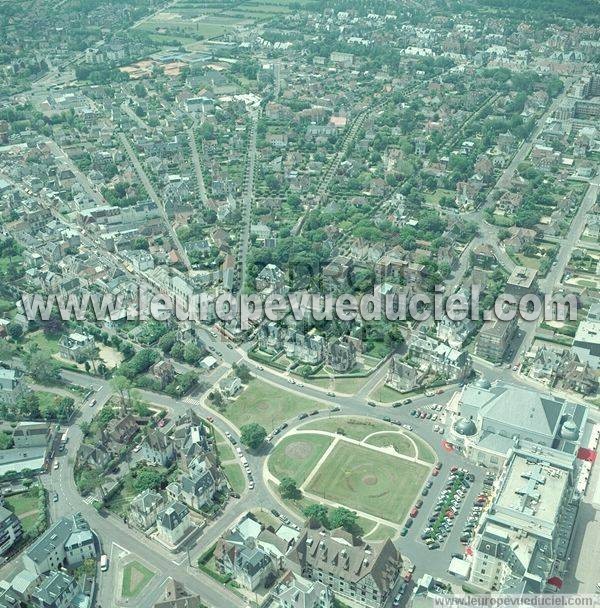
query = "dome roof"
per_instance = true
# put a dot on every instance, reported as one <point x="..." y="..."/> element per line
<point x="465" y="426"/>
<point x="569" y="430"/>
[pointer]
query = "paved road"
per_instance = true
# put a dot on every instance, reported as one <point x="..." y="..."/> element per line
<point x="247" y="200"/>
<point x="197" y="166"/>
<point x="553" y="279"/>
<point x="112" y="531"/>
<point x="183" y="256"/>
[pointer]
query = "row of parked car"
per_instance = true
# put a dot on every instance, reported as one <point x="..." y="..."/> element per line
<point x="415" y="510"/>
<point x="447" y="507"/>
<point x="479" y="503"/>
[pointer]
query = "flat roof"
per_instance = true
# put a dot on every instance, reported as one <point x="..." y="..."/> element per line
<point x="522" y="276"/>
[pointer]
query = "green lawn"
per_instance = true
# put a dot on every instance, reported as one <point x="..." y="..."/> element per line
<point x="355" y="428"/>
<point x="360" y="478"/>
<point x="297" y="455"/>
<point x="24" y="503"/>
<point x="381" y="533"/>
<point x="426" y="452"/>
<point x="49" y="345"/>
<point x="298" y="506"/>
<point x="135" y="578"/>
<point x="398" y="441"/>
<point x="339" y="385"/>
<point x="267" y="405"/>
<point x="235" y="476"/>
<point x="385" y="394"/>
<point x="225" y="451"/>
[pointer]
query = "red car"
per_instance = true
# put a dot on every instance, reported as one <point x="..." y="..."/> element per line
<point x="454" y="469"/>
<point x="435" y="472"/>
<point x="161" y="422"/>
<point x="407" y="577"/>
<point x="414" y="512"/>
<point x="210" y="418"/>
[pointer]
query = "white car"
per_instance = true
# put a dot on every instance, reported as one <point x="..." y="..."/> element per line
<point x="55" y="465"/>
<point x="137" y="448"/>
<point x="239" y="450"/>
<point x="228" y="434"/>
<point x="251" y="485"/>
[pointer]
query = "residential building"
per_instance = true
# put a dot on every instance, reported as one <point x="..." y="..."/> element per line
<point x="144" y="509"/>
<point x="11" y="530"/>
<point x="494" y="339"/>
<point x="455" y="333"/>
<point x="56" y="590"/>
<point x="122" y="430"/>
<point x="297" y="592"/>
<point x="11" y="385"/>
<point x="586" y="344"/>
<point x="158" y="449"/>
<point x="438" y="358"/>
<point x="522" y="281"/>
<point x="197" y="487"/>
<point x="523" y="541"/>
<point x="238" y="554"/>
<point x="176" y="596"/>
<point x="341" y="355"/>
<point x="31" y="434"/>
<point x="67" y="542"/>
<point x="404" y="377"/>
<point x="270" y="337"/>
<point x="364" y="573"/>
<point x="173" y="523"/>
<point x="306" y="348"/>
<point x="74" y="346"/>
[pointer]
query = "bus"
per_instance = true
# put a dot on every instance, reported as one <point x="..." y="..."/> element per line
<point x="63" y="440"/>
<point x="103" y="563"/>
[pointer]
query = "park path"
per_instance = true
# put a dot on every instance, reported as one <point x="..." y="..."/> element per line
<point x="390" y="451"/>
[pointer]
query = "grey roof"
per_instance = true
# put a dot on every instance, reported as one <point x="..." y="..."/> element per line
<point x="53" y="587"/>
<point x="519" y="407"/>
<point x="146" y="500"/>
<point x="71" y="531"/>
<point x="171" y="517"/>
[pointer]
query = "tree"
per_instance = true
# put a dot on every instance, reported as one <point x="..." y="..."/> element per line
<point x="289" y="489"/>
<point x="42" y="368"/>
<point x="253" y="435"/>
<point x="105" y="416"/>
<point x="123" y="386"/>
<point x="242" y="372"/>
<point x="192" y="354"/>
<point x="344" y="518"/>
<point x="217" y="399"/>
<point x="28" y="405"/>
<point x="167" y="341"/>
<point x="177" y="351"/>
<point x="148" y="479"/>
<point x="15" y="331"/>
<point x="319" y="513"/>
<point x="6" y="441"/>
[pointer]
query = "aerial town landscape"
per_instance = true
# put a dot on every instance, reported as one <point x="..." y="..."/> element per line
<point x="263" y="149"/>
